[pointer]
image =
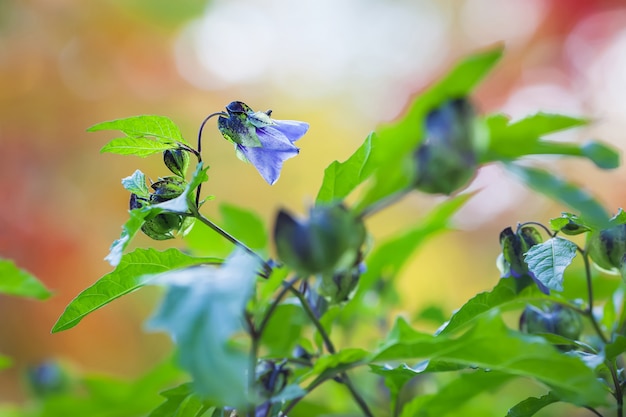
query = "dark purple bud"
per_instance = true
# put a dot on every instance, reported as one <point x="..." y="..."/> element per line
<point x="271" y="377"/>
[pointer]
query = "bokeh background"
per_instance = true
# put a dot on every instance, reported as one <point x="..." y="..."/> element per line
<point x="343" y="66"/>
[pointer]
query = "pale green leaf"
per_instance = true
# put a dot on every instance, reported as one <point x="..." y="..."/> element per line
<point x="202" y="310"/>
<point x="549" y="259"/>
<point x="136" y="184"/>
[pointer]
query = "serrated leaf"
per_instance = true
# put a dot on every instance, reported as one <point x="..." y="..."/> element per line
<point x="136" y="184"/>
<point x="530" y="406"/>
<point x="202" y="310"/>
<point x="159" y="127"/>
<point x="141" y="147"/>
<point x="341" y="178"/>
<point x="503" y="296"/>
<point x="548" y="260"/>
<point x="138" y="216"/>
<point x="452" y="396"/>
<point x="134" y="270"/>
<point x="591" y="212"/>
<point x="18" y="282"/>
<point x="180" y="401"/>
<point x="491" y="345"/>
<point x="394" y="144"/>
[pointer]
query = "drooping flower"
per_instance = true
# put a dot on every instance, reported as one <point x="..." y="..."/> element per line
<point x="261" y="140"/>
<point x="511" y="261"/>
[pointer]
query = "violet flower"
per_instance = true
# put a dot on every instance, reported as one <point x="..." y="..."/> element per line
<point x="261" y="140"/>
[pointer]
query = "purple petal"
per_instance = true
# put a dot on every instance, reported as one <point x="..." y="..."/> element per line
<point x="268" y="161"/>
<point x="271" y="138"/>
<point x="292" y="129"/>
<point x="542" y="287"/>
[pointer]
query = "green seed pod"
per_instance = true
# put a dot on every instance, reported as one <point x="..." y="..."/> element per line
<point x="162" y="225"/>
<point x="607" y="248"/>
<point x="177" y="160"/>
<point x="554" y="319"/>
<point x="166" y="189"/>
<point x="328" y="242"/>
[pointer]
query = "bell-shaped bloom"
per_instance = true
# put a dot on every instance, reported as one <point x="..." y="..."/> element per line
<point x="511" y="261"/>
<point x="261" y="140"/>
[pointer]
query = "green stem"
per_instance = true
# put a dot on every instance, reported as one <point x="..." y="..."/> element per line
<point x="384" y="203"/>
<point x="267" y="269"/>
<point x="331" y="349"/>
<point x="548" y="231"/>
<point x="268" y="314"/>
<point x="589" y="310"/>
<point x="619" y="394"/>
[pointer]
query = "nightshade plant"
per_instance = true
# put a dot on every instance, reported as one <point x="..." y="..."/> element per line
<point x="265" y="335"/>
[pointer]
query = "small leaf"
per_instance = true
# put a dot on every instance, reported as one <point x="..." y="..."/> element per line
<point x="340" y="178"/>
<point x="135" y="270"/>
<point x="549" y="259"/>
<point x="180" y="401"/>
<point x="141" y="147"/>
<point x="591" y="212"/>
<point x="136" y="184"/>
<point x="202" y="310"/>
<point x="530" y="406"/>
<point x="16" y="281"/>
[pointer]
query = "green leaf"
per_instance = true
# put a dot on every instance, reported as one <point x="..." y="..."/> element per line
<point x="134" y="270"/>
<point x="246" y="225"/>
<point x="16" y="281"/>
<point x="341" y="178"/>
<point x="615" y="348"/>
<point x="393" y="145"/>
<point x="591" y="212"/>
<point x="451" y="397"/>
<point x="530" y="406"/>
<point x="139" y="146"/>
<point x="161" y="129"/>
<point x="388" y="259"/>
<point x="202" y="310"/>
<point x="180" y="204"/>
<point x="181" y="401"/>
<point x="549" y="259"/>
<point x="328" y="366"/>
<point x="509" y="141"/>
<point x="491" y="345"/>
<point x="136" y="184"/>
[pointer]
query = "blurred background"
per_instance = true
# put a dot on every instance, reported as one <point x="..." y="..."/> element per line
<point x="344" y="67"/>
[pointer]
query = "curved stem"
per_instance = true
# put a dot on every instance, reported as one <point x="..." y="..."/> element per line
<point x="593" y="410"/>
<point x="267" y="269"/>
<point x="589" y="310"/>
<point x="331" y="349"/>
<point x="198" y="151"/>
<point x="544" y="227"/>
<point x="619" y="394"/>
